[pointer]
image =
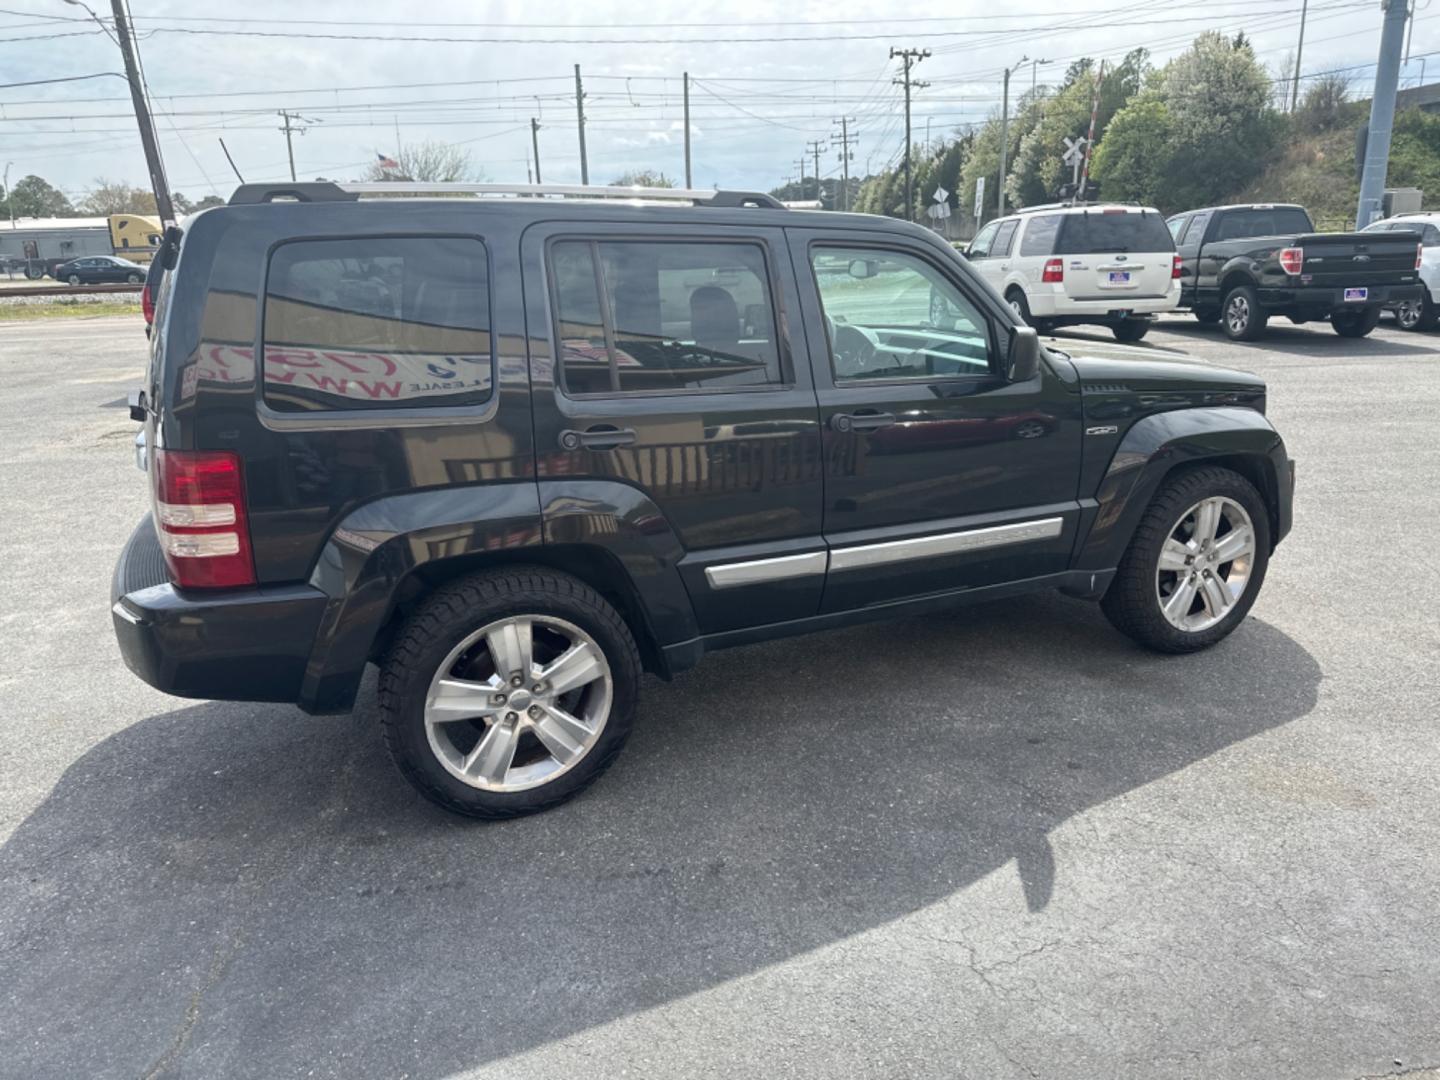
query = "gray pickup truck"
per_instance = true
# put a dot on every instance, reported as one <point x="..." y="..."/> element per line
<point x="1241" y="264"/>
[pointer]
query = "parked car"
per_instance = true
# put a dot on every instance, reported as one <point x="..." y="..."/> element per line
<point x="1062" y="265"/>
<point x="98" y="269"/>
<point x="1239" y="265"/>
<point x="516" y="451"/>
<point x="1422" y="313"/>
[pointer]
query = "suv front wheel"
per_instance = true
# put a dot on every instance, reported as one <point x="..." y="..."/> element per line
<point x="509" y="692"/>
<point x="1195" y="563"/>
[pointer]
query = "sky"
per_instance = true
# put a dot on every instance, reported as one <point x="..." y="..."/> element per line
<point x="366" y="77"/>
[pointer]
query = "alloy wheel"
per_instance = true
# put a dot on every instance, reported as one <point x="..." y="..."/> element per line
<point x="1408" y="314"/>
<point x="1205" y="564"/>
<point x="1237" y="314"/>
<point x="518" y="703"/>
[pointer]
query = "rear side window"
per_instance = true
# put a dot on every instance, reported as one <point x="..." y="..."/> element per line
<point x="633" y="316"/>
<point x="1195" y="231"/>
<point x="1098" y="231"/>
<point x="1039" y="237"/>
<point x="1003" y="239"/>
<point x="1269" y="221"/>
<point x="377" y="323"/>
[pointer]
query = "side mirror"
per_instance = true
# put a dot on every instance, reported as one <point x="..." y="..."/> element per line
<point x="1023" y="360"/>
<point x="862" y="268"/>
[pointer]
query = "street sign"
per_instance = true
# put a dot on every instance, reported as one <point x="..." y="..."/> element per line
<point x="939" y="211"/>
<point x="979" y="196"/>
<point x="940" y="194"/>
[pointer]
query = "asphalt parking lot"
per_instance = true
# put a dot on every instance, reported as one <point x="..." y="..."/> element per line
<point x="999" y="843"/>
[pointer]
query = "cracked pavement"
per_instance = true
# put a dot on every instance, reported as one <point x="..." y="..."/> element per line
<point x="998" y="843"/>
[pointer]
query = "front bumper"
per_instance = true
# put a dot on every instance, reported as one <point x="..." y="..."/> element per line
<point x="230" y="645"/>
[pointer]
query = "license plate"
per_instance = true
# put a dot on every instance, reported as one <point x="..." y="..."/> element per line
<point x="1354" y="295"/>
<point x="1119" y="277"/>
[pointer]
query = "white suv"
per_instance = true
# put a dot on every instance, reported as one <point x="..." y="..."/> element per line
<point x="1062" y="265"/>
<point x="1422" y="314"/>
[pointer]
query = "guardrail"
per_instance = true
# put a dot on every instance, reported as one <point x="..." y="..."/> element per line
<point x="69" y="290"/>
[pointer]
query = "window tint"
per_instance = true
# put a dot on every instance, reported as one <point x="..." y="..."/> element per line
<point x="663" y="316"/>
<point x="980" y="246"/>
<point x="1431" y="236"/>
<point x="1195" y="231"/>
<point x="1039" y="235"/>
<point x="1096" y="231"/>
<point x="1003" y="239"/>
<point x="1273" y="221"/>
<point x="894" y="316"/>
<point x="377" y="323"/>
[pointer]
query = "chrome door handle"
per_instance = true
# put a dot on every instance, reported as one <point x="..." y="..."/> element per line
<point x="598" y="438"/>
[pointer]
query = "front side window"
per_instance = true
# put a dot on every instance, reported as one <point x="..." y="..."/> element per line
<point x="892" y="315"/>
<point x="377" y="323"/>
<point x="1176" y="225"/>
<point x="1039" y="238"/>
<point x="635" y="316"/>
<point x="1431" y="236"/>
<point x="980" y="246"/>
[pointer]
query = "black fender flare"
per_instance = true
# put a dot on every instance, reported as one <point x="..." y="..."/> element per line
<point x="377" y="548"/>
<point x="1239" y="270"/>
<point x="1156" y="446"/>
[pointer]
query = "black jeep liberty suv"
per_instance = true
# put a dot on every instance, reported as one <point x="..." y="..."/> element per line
<point x="520" y="446"/>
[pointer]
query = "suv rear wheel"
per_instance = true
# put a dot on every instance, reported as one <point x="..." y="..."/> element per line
<point x="1018" y="304"/>
<point x="1195" y="563"/>
<point x="1241" y="314"/>
<point x="1419" y="314"/>
<point x="509" y="692"/>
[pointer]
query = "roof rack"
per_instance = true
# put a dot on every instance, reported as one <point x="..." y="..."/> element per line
<point x="329" y="191"/>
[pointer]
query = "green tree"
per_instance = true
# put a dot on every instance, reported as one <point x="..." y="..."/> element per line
<point x="1130" y="163"/>
<point x="643" y="178"/>
<point x="33" y="197"/>
<point x="1039" y="169"/>
<point x="1323" y="105"/>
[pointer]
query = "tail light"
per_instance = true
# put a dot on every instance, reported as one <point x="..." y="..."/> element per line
<point x="201" y="520"/>
<point x="1292" y="259"/>
<point x="1419" y="253"/>
<point x="1175" y="267"/>
<point x="147" y="305"/>
<point x="1054" y="270"/>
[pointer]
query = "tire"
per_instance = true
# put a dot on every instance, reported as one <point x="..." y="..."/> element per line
<point x="133" y="279"/>
<point x="1136" y="601"/>
<point x="1208" y="316"/>
<point x="444" y="637"/>
<point x="73" y="279"/>
<point x="1424" y="315"/>
<point x="1356" y="324"/>
<point x="1018" y="304"/>
<point x="1241" y="315"/>
<point x="1130" y="330"/>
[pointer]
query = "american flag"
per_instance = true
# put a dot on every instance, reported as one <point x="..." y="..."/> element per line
<point x="387" y="162"/>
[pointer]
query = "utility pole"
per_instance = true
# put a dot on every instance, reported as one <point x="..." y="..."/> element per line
<point x="9" y="202"/>
<point x="1382" y="113"/>
<point x="1034" y="65"/>
<point x="289" y="145"/>
<point x="1299" y="51"/>
<point x="846" y="156"/>
<point x="580" y="119"/>
<point x="816" y="146"/>
<point x="689" y="183"/>
<point x="1005" y="132"/>
<point x="535" y="146"/>
<point x="909" y="57"/>
<point x="802" y="176"/>
<point x="158" y="183"/>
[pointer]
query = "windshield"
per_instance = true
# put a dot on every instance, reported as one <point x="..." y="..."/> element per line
<point x="1099" y="231"/>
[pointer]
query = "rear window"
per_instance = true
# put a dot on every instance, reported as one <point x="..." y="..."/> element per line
<point x="1096" y="231"/>
<point x="1269" y="221"/>
<point x="1039" y="236"/>
<point x="377" y="323"/>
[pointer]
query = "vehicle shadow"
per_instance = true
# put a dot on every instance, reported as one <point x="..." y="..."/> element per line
<point x="1103" y="337"/>
<point x="237" y="890"/>
<point x="1315" y="340"/>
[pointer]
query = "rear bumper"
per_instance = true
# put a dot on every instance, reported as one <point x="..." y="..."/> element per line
<point x="1048" y="305"/>
<point x="231" y="645"/>
<point x="1318" y="303"/>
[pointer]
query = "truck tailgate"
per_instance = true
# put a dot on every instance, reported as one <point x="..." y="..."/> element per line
<point x="1354" y="260"/>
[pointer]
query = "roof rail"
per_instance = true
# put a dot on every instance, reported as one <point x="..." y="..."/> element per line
<point x="328" y="191"/>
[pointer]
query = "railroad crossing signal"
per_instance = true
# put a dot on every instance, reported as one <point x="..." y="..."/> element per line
<point x="1075" y="150"/>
